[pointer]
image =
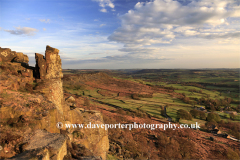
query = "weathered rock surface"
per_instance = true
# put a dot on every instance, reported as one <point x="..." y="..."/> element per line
<point x="20" y="57"/>
<point x="70" y="99"/>
<point x="49" y="71"/>
<point x="45" y="108"/>
<point x="6" y="55"/>
<point x="50" y="66"/>
<point x="53" y="91"/>
<point x="91" y="136"/>
<point x="44" y="145"/>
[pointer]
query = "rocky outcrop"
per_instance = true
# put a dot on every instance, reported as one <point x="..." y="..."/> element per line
<point x="49" y="72"/>
<point x="6" y="55"/>
<point x="95" y="138"/>
<point x="44" y="145"/>
<point x="50" y="66"/>
<point x="15" y="63"/>
<point x="44" y="109"/>
<point x="21" y="58"/>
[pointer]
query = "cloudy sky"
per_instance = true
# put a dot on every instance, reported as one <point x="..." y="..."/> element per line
<point x="125" y="34"/>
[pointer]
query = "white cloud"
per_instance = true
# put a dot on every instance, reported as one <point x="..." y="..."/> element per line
<point x="96" y="20"/>
<point x="23" y="31"/>
<point x="101" y="25"/>
<point x="44" y="29"/>
<point x="162" y="21"/>
<point x="104" y="4"/>
<point x="45" y="20"/>
<point x="103" y="10"/>
<point x="152" y="29"/>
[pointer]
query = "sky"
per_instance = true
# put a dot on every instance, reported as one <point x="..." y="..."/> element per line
<point x="125" y="34"/>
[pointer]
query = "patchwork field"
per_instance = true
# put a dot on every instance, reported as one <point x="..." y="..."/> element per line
<point x="126" y="96"/>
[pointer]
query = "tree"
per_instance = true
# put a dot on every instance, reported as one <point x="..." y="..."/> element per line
<point x="186" y="99"/>
<point x="202" y="115"/>
<point x="181" y="113"/>
<point x="212" y="108"/>
<point x="194" y="113"/>
<point x="213" y="116"/>
<point x="232" y="116"/>
<point x="162" y="111"/>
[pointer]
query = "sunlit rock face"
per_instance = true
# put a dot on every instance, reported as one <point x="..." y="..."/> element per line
<point x="48" y="75"/>
<point x="36" y="104"/>
<point x="49" y="72"/>
<point x="50" y="66"/>
<point x="6" y="55"/>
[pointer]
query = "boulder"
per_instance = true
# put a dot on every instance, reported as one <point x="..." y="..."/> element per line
<point x="37" y="154"/>
<point x="20" y="57"/>
<point x="44" y="145"/>
<point x="7" y="55"/>
<point x="70" y="99"/>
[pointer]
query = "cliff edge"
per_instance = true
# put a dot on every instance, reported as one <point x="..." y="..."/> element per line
<point x="32" y="104"/>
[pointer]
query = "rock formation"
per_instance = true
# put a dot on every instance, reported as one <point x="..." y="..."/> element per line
<point x="50" y="66"/>
<point x="46" y="108"/>
<point x="49" y="71"/>
<point x="44" y="145"/>
<point x="49" y="74"/>
<point x="6" y="55"/>
<point x="15" y="63"/>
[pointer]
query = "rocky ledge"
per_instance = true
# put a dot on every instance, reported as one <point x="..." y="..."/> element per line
<point x="32" y="103"/>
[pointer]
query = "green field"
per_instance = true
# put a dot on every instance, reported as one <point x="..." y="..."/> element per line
<point x="208" y="84"/>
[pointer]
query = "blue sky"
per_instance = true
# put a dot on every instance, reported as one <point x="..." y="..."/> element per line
<point x="125" y="34"/>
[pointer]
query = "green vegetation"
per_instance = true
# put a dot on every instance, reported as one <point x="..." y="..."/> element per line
<point x="181" y="113"/>
<point x="213" y="116"/>
<point x="183" y="91"/>
<point x="208" y="97"/>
